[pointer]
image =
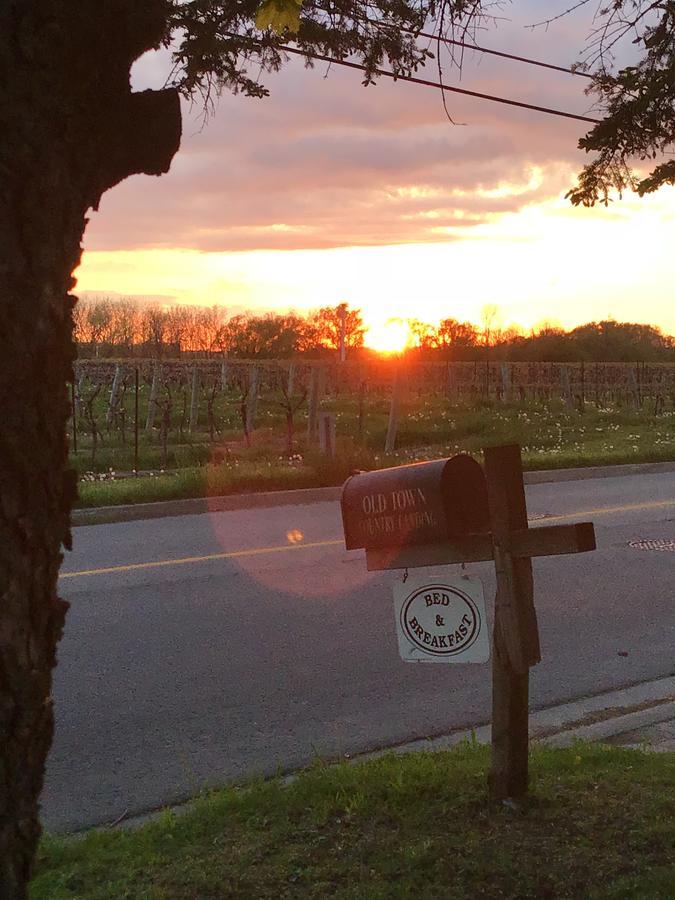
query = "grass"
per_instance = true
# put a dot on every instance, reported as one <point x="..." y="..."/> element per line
<point x="600" y="825"/>
<point x="218" y="480"/>
<point x="551" y="435"/>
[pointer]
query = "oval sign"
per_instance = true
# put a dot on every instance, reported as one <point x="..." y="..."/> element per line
<point x="442" y="622"/>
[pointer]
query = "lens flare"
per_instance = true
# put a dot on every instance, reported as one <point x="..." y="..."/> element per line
<point x="294" y="536"/>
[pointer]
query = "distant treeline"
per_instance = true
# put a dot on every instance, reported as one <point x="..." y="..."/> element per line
<point x="126" y="329"/>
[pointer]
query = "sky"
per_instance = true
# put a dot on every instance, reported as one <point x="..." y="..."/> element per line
<point x="327" y="191"/>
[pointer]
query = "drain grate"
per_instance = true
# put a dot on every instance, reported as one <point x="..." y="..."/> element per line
<point x="659" y="544"/>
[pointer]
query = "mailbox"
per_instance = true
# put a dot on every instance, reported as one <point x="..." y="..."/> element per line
<point x="422" y="503"/>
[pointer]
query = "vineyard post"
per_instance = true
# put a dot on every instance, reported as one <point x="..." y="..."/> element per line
<point x="450" y="382"/>
<point x="136" y="419"/>
<point x="223" y="376"/>
<point x="114" y="391"/>
<point x="74" y="414"/>
<point x="392" y="426"/>
<point x="152" y="400"/>
<point x="361" y="416"/>
<point x="583" y="386"/>
<point x="597" y="393"/>
<point x="567" y="388"/>
<point x="506" y="382"/>
<point x="252" y="405"/>
<point x="313" y="408"/>
<point x="634" y="386"/>
<point x="194" y="400"/>
<point x="327" y="434"/>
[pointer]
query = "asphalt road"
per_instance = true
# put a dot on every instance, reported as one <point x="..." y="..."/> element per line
<point x="205" y="648"/>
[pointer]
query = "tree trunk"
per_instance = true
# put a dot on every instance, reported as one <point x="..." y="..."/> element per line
<point x="71" y="129"/>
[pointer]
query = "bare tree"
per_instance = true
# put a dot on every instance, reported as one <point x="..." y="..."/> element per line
<point x="285" y="384"/>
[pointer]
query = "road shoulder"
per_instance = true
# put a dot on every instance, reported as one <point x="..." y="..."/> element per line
<point x="105" y="515"/>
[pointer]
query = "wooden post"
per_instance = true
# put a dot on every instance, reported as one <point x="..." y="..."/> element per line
<point x="582" y="396"/>
<point x="450" y="382"/>
<point x="114" y="391"/>
<point x="136" y="419"/>
<point x="313" y="406"/>
<point x="566" y="386"/>
<point x="152" y="401"/>
<point x="506" y="382"/>
<point x="73" y="414"/>
<point x="252" y="398"/>
<point x="327" y="434"/>
<point x="635" y="385"/>
<point x="597" y="386"/>
<point x="290" y="384"/>
<point x="515" y="638"/>
<point x="194" y="400"/>
<point x="392" y="426"/>
<point x="223" y="376"/>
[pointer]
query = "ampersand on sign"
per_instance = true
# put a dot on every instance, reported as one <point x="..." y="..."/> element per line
<point x="439" y="621"/>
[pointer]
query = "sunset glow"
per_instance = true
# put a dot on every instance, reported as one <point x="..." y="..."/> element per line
<point x="332" y="192"/>
<point x="392" y="336"/>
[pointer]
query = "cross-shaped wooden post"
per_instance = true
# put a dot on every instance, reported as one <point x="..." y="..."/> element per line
<point x="511" y="544"/>
<point x="515" y="639"/>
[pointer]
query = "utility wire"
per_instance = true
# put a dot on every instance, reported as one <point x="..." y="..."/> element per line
<point x="426" y="83"/>
<point x="470" y="46"/>
<point x="522" y="59"/>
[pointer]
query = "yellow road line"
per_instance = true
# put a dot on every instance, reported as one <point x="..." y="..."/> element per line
<point x="261" y="551"/>
<point x="603" y="510"/>
<point x="254" y="551"/>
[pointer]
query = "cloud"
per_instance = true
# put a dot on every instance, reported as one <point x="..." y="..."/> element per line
<point x="325" y="162"/>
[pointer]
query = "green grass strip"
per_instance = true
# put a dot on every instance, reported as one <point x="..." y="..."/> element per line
<point x="600" y="824"/>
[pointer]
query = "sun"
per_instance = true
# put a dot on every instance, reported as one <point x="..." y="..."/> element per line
<point x="391" y="336"/>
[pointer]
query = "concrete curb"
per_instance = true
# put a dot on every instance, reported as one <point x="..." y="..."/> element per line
<point x="599" y="731"/>
<point x="104" y="515"/>
<point x="562" y="719"/>
<point x="562" y="724"/>
<point x="579" y="474"/>
<point x="164" y="508"/>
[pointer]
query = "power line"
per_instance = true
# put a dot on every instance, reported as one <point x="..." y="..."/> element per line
<point x="522" y="59"/>
<point x="434" y="84"/>
<point x="471" y="46"/>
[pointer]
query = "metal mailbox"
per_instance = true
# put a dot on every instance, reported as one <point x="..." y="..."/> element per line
<point x="423" y="503"/>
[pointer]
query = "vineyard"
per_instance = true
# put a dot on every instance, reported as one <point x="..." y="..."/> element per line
<point x="261" y="417"/>
<point x="173" y="399"/>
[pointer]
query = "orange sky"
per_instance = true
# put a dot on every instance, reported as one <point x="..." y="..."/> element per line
<point x="327" y="191"/>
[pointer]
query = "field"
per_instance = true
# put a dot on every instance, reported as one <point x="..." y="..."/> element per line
<point x="194" y="431"/>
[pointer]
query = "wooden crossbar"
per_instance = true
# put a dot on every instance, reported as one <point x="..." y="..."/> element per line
<point x="549" y="540"/>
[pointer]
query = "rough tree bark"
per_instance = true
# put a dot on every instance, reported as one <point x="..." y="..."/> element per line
<point x="70" y="128"/>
